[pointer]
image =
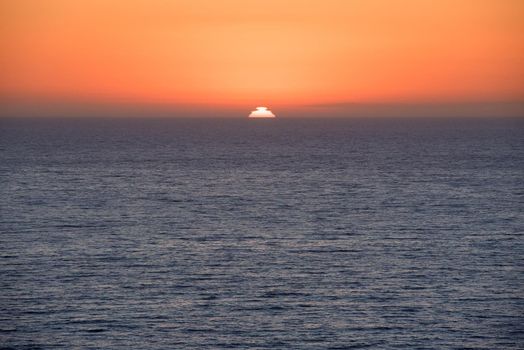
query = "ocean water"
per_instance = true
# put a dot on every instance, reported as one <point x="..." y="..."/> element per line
<point x="262" y="234"/>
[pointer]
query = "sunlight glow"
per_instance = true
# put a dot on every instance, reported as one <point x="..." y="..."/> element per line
<point x="63" y="54"/>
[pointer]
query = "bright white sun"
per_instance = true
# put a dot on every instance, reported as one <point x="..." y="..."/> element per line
<point x="262" y="112"/>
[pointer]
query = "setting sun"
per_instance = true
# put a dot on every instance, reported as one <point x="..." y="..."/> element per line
<point x="261" y="112"/>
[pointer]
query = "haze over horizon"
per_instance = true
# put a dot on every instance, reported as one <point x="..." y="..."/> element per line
<point x="301" y="58"/>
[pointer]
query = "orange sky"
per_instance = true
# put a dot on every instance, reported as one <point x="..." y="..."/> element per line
<point x="269" y="52"/>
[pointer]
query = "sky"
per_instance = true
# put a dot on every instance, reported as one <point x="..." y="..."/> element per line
<point x="299" y="57"/>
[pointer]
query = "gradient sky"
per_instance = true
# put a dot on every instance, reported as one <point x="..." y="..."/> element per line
<point x="239" y="54"/>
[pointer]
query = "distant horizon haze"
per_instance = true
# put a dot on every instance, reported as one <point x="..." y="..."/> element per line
<point x="71" y="109"/>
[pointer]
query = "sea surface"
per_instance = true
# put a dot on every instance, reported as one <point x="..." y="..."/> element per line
<point x="262" y="234"/>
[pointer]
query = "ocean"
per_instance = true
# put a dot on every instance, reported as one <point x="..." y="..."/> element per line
<point x="262" y="234"/>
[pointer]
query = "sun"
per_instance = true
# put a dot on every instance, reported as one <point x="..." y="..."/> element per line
<point x="261" y="112"/>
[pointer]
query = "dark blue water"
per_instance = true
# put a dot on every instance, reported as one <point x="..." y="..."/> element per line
<point x="262" y="234"/>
